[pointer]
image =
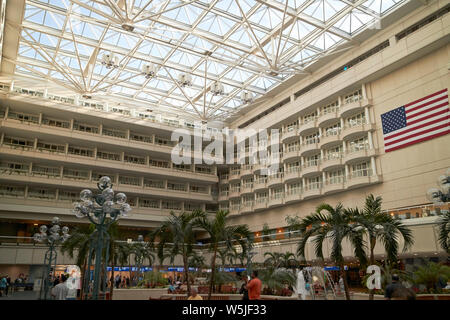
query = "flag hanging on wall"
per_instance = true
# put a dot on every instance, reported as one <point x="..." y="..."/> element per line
<point x="417" y="121"/>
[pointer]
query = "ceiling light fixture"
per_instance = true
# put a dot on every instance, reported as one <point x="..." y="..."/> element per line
<point x="110" y="60"/>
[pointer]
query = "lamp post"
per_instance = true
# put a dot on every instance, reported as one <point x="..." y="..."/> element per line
<point x="52" y="238"/>
<point x="102" y="211"/>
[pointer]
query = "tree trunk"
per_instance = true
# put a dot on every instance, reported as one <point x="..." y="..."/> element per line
<point x="372" y="262"/>
<point x="186" y="275"/>
<point x="344" y="277"/>
<point x="213" y="271"/>
<point x="83" y="271"/>
<point x="111" y="289"/>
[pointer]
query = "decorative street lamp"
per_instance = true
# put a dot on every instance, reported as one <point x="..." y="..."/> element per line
<point x="102" y="211"/>
<point x="52" y="238"/>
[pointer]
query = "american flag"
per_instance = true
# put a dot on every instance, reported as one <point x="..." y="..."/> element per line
<point x="420" y="120"/>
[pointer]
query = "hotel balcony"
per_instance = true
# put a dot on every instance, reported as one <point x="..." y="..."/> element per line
<point x="223" y="196"/>
<point x="234" y="176"/>
<point x="291" y="154"/>
<point x="246" y="189"/>
<point x="260" y="204"/>
<point x="275" y="201"/>
<point x="275" y="180"/>
<point x="312" y="191"/>
<point x="329" y="139"/>
<point x="292" y="174"/>
<point x="289" y="135"/>
<point x="246" y="170"/>
<point x="223" y="179"/>
<point x="309" y="147"/>
<point x="246" y="207"/>
<point x="362" y="178"/>
<point x="328" y="118"/>
<point x="365" y="153"/>
<point x="355" y="130"/>
<point x="234" y="209"/>
<point x="354" y="106"/>
<point x="310" y="169"/>
<point x="293" y="196"/>
<point x="260" y="185"/>
<point x="234" y="194"/>
<point x="308" y="127"/>
<point x="333" y="185"/>
<point x="332" y="162"/>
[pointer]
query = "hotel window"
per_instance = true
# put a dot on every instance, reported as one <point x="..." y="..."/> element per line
<point x="176" y="186"/>
<point x="70" y="196"/>
<point x="42" y="193"/>
<point x="159" y="163"/>
<point x="76" y="174"/>
<point x="235" y="204"/>
<point x="114" y="133"/>
<point x="312" y="160"/>
<point x="51" y="147"/>
<point x="131" y="181"/>
<point x="23" y="117"/>
<point x="276" y="193"/>
<point x="247" y="183"/>
<point x="162" y="141"/>
<point x="141" y="138"/>
<point x="108" y="155"/>
<point x="16" y="168"/>
<point x="38" y="170"/>
<point x="260" y="179"/>
<point x="135" y="159"/>
<point x="120" y="110"/>
<point x="310" y="117"/>
<point x="353" y="97"/>
<point x="85" y="127"/>
<point x="79" y="151"/>
<point x="204" y="170"/>
<point x="12" y="191"/>
<point x="150" y="183"/>
<point x="171" y="122"/>
<point x="336" y="177"/>
<point x="334" y="153"/>
<point x="293" y="167"/>
<point x="248" y="200"/>
<point x="171" y="205"/>
<point x="192" y="206"/>
<point x="359" y="144"/>
<point x="224" y="191"/>
<point x="182" y="167"/>
<point x="312" y="138"/>
<point x="198" y="189"/>
<point x="235" y="171"/>
<point x="314" y="183"/>
<point x="291" y="126"/>
<point x="224" y="206"/>
<point x="361" y="170"/>
<point x="330" y="107"/>
<point x="356" y="120"/>
<point x="261" y="197"/>
<point x="18" y="143"/>
<point x="293" y="146"/>
<point x="148" y="203"/>
<point x="333" y="130"/>
<point x="56" y="123"/>
<point x="294" y="188"/>
<point x="235" y="187"/>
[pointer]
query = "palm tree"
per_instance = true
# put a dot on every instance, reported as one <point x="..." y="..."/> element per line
<point x="444" y="231"/>
<point x="430" y="275"/>
<point x="277" y="278"/>
<point x="221" y="234"/>
<point x="381" y="226"/>
<point x="273" y="259"/>
<point x="335" y="225"/>
<point x="178" y="231"/>
<point x="78" y="244"/>
<point x="288" y="260"/>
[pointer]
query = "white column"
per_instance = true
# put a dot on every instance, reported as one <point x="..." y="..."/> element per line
<point x="71" y="124"/>
<point x="344" y="147"/>
<point x="127" y="136"/>
<point x="339" y="101"/>
<point x="40" y="118"/>
<point x="6" y="112"/>
<point x="122" y="156"/>
<point x="35" y="143"/>
<point x="324" y="176"/>
<point x="100" y="129"/>
<point x="369" y="137"/>
<point x="363" y="91"/>
<point x="342" y="123"/>
<point x="346" y="170"/>
<point x="46" y="93"/>
<point x="373" y="165"/>
<point x="321" y="154"/>
<point x="2" y="137"/>
<point x="367" y="115"/>
<point x="95" y="152"/>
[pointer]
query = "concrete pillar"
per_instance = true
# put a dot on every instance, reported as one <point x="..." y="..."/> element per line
<point x="339" y="101"/>
<point x="57" y="194"/>
<point x="321" y="154"/>
<point x="373" y="166"/>
<point x="90" y="175"/>
<point x="45" y="93"/>
<point x="122" y="156"/>
<point x="137" y="202"/>
<point x="30" y="169"/>
<point x="26" y="192"/>
<point x="142" y="182"/>
<point x="95" y="152"/>
<point x="127" y="135"/>
<point x="344" y="147"/>
<point x="61" y="171"/>
<point x="324" y="176"/>
<point x="2" y="137"/>
<point x="66" y="151"/>
<point x="6" y="112"/>
<point x="363" y="91"/>
<point x="369" y="137"/>
<point x="71" y="124"/>
<point x="40" y="118"/>
<point x="346" y="171"/>
<point x="366" y="114"/>
<point x="100" y="129"/>
<point x="342" y="123"/>
<point x="35" y="143"/>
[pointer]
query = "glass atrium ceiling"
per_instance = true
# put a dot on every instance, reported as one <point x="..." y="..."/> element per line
<point x="248" y="46"/>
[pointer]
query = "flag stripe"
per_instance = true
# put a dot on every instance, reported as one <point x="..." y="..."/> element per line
<point x="425" y="98"/>
<point x="438" y="120"/>
<point x="430" y="108"/>
<point x="443" y="133"/>
<point x="417" y="121"/>
<point x="433" y="127"/>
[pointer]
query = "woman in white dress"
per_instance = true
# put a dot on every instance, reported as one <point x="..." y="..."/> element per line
<point x="300" y="288"/>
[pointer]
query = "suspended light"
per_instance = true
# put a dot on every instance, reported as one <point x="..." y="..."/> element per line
<point x="217" y="88"/>
<point x="246" y="96"/>
<point x="127" y="27"/>
<point x="149" y="71"/>
<point x="110" y="60"/>
<point x="185" y="80"/>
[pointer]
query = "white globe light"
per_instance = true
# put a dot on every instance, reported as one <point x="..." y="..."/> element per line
<point x="65" y="236"/>
<point x="108" y="206"/>
<point x="105" y="182"/>
<point x="43" y="229"/>
<point x="65" y="229"/>
<point x="55" y="220"/>
<point x="37" y="237"/>
<point x="108" y="194"/>
<point x="55" y="229"/>
<point x="85" y="194"/>
<point x="78" y="210"/>
<point x="125" y="209"/>
<point x="121" y="198"/>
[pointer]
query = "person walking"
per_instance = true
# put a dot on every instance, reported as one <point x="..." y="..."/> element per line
<point x="396" y="285"/>
<point x="3" y="283"/>
<point x="254" y="287"/>
<point x="118" y="280"/>
<point x="61" y="290"/>
<point x="300" y="288"/>
<point x="244" y="290"/>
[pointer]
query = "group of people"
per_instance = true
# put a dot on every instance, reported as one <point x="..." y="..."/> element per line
<point x="6" y="284"/>
<point x="121" y="282"/>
